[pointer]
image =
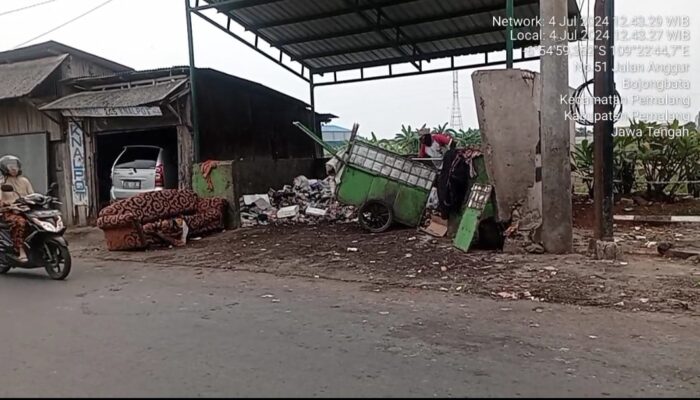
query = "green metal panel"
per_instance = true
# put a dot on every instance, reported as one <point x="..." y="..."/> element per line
<point x="479" y="164"/>
<point x="488" y="211"/>
<point x="222" y="179"/>
<point x="409" y="205"/>
<point x="471" y="217"/>
<point x="358" y="186"/>
<point x="354" y="186"/>
<point x="383" y="189"/>
<point x="467" y="228"/>
<point x="219" y="177"/>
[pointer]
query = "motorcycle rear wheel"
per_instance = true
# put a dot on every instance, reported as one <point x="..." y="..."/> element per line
<point x="4" y="264"/>
<point x="58" y="260"/>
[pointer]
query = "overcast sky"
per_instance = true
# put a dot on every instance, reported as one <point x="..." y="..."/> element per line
<point x="152" y="33"/>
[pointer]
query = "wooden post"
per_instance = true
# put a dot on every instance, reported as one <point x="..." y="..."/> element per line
<point x="185" y="157"/>
<point x="603" y="128"/>
<point x="193" y="82"/>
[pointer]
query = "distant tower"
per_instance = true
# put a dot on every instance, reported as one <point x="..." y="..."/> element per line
<point x="456" y="118"/>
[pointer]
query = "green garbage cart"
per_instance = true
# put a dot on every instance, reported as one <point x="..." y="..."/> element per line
<point x="390" y="188"/>
<point x="386" y="187"/>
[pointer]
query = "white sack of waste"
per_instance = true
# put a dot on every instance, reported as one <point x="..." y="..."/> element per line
<point x="262" y="201"/>
<point x="287" y="212"/>
<point x="315" y="212"/>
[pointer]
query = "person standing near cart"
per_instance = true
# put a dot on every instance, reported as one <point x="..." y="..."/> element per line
<point x="434" y="145"/>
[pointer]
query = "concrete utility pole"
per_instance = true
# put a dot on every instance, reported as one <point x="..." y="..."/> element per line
<point x="604" y="88"/>
<point x="557" y="230"/>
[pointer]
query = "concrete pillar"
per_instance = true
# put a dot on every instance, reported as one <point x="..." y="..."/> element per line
<point x="510" y="130"/>
<point x="557" y="235"/>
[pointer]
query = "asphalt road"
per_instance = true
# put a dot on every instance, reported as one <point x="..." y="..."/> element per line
<point x="117" y="329"/>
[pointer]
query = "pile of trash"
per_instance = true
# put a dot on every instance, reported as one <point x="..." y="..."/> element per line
<point x="306" y="201"/>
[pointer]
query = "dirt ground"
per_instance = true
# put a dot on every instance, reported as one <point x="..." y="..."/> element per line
<point x="406" y="258"/>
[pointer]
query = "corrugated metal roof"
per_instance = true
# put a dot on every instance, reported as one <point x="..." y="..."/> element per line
<point x="21" y="78"/>
<point x="51" y="48"/>
<point x="89" y="82"/>
<point x="114" y="98"/>
<point x="129" y="76"/>
<point x="335" y="35"/>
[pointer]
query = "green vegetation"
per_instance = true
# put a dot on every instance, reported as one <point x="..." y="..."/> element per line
<point x="656" y="155"/>
<point x="406" y="141"/>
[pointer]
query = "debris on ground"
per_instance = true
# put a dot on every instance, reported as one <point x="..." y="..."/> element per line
<point x="288" y="212"/>
<point x="305" y="201"/>
<point x="507" y="295"/>
<point x="669" y="250"/>
<point x="261" y="201"/>
<point x="535" y="248"/>
<point x="649" y="283"/>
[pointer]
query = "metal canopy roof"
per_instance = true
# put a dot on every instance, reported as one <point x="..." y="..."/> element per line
<point x="338" y="35"/>
<point x="332" y="36"/>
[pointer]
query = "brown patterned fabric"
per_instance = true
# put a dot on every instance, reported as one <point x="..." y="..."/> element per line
<point x="209" y="216"/>
<point x="126" y="237"/>
<point x="164" y="232"/>
<point x="18" y="228"/>
<point x="149" y="207"/>
<point x="155" y="218"/>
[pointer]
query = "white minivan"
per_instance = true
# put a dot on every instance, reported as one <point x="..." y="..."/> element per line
<point x="140" y="169"/>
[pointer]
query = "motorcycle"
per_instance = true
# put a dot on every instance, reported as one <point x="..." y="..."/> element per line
<point x="44" y="245"/>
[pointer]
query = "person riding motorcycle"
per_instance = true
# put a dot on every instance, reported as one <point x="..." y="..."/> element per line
<point x="11" y="169"/>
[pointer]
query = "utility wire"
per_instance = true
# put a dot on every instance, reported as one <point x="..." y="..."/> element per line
<point x="585" y="59"/>
<point x="65" y="23"/>
<point x="25" y="7"/>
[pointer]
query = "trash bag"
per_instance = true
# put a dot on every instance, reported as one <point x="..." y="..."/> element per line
<point x="433" y="200"/>
<point x="302" y="183"/>
<point x="453" y="182"/>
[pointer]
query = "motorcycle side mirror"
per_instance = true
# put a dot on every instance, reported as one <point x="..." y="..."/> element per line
<point x="7" y="188"/>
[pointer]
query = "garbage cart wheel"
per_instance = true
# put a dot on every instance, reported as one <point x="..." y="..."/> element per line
<point x="376" y="216"/>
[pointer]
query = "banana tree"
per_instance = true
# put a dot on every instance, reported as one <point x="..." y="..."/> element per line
<point x="470" y="137"/>
<point x="582" y="163"/>
<point x="662" y="157"/>
<point x="440" y="129"/>
<point x="689" y="148"/>
<point x="408" y="139"/>
<point x="387" y="144"/>
<point x="625" y="155"/>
